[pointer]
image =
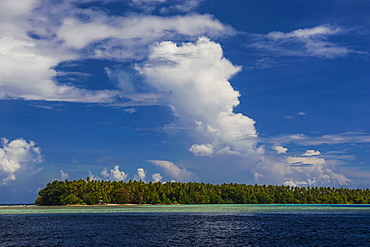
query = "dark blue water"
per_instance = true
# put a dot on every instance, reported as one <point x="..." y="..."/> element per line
<point x="186" y="229"/>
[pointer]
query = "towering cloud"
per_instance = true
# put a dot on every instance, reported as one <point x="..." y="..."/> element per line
<point x="196" y="77"/>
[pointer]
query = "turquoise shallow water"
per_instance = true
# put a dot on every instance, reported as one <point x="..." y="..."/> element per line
<point x="203" y="208"/>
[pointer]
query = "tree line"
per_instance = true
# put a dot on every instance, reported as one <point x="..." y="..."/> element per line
<point x="90" y="192"/>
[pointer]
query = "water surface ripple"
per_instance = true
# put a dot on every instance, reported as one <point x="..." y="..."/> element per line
<point x="247" y="226"/>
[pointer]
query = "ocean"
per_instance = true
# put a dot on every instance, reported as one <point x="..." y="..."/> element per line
<point x="186" y="225"/>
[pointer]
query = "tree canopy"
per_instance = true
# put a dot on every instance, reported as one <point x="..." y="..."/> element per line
<point x="90" y="192"/>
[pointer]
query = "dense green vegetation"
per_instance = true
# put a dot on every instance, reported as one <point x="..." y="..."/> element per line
<point x="138" y="192"/>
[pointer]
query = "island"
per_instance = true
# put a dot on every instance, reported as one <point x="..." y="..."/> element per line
<point x="92" y="192"/>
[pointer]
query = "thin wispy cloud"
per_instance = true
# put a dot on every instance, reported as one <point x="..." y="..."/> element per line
<point x="166" y="6"/>
<point x="301" y="139"/>
<point x="296" y="115"/>
<point x="306" y="42"/>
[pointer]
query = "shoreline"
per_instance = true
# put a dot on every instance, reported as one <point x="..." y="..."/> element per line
<point x="131" y="204"/>
<point x="186" y="208"/>
<point x="75" y="205"/>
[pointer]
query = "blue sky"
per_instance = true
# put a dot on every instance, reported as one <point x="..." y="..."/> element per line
<point x="267" y="92"/>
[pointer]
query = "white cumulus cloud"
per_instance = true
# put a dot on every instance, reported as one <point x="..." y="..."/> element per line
<point x="180" y="174"/>
<point x="141" y="174"/>
<point x="157" y="177"/>
<point x="305" y="170"/>
<point x="63" y="175"/>
<point x="201" y="150"/>
<point x="114" y="175"/>
<point x="280" y="149"/>
<point x="16" y="155"/>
